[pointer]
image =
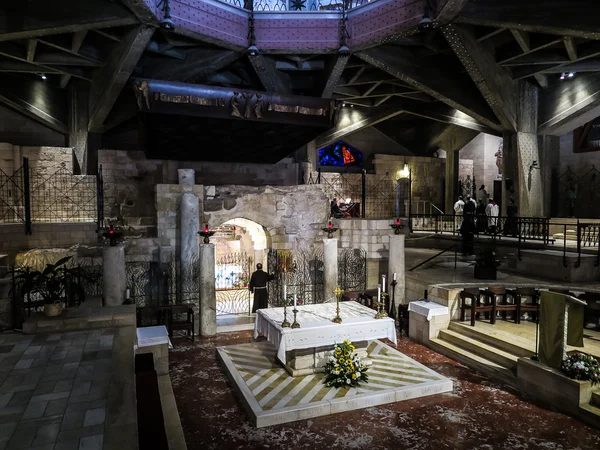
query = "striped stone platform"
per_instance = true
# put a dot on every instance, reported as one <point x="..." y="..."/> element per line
<point x="271" y="396"/>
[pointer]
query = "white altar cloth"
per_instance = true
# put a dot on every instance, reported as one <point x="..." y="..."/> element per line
<point x="317" y="329"/>
<point x="148" y="336"/>
<point x="427" y="308"/>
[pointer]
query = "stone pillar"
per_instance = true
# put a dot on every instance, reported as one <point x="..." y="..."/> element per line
<point x="451" y="181"/>
<point x="330" y="267"/>
<point x="113" y="275"/>
<point x="189" y="251"/>
<point x="549" y="149"/>
<point x="208" y="297"/>
<point x="397" y="265"/>
<point x="187" y="176"/>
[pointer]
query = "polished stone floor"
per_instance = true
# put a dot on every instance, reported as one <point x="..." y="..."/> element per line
<point x="477" y="414"/>
<point x="54" y="389"/>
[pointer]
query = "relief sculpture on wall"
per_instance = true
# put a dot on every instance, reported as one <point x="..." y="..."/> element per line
<point x="250" y="111"/>
<point x="498" y="156"/>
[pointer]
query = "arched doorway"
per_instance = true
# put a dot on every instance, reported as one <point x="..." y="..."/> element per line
<point x="240" y="244"/>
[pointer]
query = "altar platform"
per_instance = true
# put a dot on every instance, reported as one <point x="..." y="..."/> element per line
<point x="272" y="396"/>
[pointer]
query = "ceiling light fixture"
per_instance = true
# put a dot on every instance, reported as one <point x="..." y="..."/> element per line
<point x="166" y="24"/>
<point x="43" y="76"/>
<point x="563" y="76"/>
<point x="253" y="50"/>
<point x="571" y="74"/>
<point x="343" y="105"/>
<point x="426" y="23"/>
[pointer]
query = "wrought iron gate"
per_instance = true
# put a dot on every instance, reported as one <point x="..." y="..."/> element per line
<point x="232" y="277"/>
<point x="352" y="269"/>
<point x="576" y="194"/>
<point x="302" y="273"/>
<point x="467" y="187"/>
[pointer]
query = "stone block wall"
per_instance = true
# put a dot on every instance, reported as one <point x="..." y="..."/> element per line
<point x="46" y="235"/>
<point x="43" y="161"/>
<point x="481" y="151"/>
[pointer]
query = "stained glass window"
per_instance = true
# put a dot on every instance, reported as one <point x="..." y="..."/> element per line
<point x="340" y="154"/>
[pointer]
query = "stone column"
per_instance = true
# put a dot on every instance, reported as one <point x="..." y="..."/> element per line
<point x="330" y="267"/>
<point x="208" y="297"/>
<point x="189" y="251"/>
<point x="396" y="265"/>
<point x="451" y="181"/>
<point x="187" y="176"/>
<point x="113" y="275"/>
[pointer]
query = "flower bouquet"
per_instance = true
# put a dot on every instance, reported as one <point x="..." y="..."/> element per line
<point x="344" y="368"/>
<point x="580" y="366"/>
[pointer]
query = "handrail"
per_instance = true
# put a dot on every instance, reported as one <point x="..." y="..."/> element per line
<point x="435" y="256"/>
<point x="438" y="209"/>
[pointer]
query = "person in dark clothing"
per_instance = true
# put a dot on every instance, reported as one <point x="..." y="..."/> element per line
<point x="336" y="212"/>
<point x="467" y="228"/>
<point x="481" y="218"/>
<point x="258" y="286"/>
<point x="511" y="226"/>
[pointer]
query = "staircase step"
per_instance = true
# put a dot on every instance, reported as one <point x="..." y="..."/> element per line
<point x="595" y="401"/>
<point x="483" y="365"/>
<point x="517" y="349"/>
<point x="590" y="414"/>
<point x="477" y="347"/>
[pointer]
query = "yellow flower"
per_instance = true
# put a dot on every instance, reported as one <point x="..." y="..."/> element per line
<point x="346" y="341"/>
<point x="354" y="376"/>
<point x="341" y="360"/>
<point x="352" y="348"/>
<point x="338" y="351"/>
<point x="346" y="354"/>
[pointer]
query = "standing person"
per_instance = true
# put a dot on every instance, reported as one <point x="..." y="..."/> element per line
<point x="458" y="211"/>
<point x="258" y="286"/>
<point x="467" y="228"/>
<point x="481" y="218"/>
<point x="511" y="226"/>
<point x="492" y="211"/>
<point x="336" y="212"/>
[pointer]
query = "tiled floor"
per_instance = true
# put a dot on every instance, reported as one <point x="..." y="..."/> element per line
<point x="54" y="390"/>
<point x="274" y="396"/>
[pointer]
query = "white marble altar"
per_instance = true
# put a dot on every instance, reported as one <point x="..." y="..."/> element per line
<point x="318" y="334"/>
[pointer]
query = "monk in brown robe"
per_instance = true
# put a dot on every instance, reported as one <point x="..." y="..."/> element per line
<point x="258" y="286"/>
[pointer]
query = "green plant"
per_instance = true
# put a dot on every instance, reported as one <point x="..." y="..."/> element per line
<point x="580" y="366"/>
<point x="56" y="283"/>
<point x="344" y="367"/>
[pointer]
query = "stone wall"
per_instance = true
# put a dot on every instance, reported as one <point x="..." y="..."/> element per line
<point x="43" y="161"/>
<point x="481" y="151"/>
<point x="46" y="235"/>
<point x="291" y="216"/>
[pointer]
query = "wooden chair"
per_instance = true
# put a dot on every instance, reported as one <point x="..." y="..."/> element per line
<point x="181" y="317"/>
<point x="492" y="293"/>
<point x="149" y="316"/>
<point x="476" y="307"/>
<point x="351" y="296"/>
<point x="519" y="295"/>
<point x="592" y="310"/>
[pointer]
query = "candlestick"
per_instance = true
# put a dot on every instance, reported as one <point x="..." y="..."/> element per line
<point x="285" y="323"/>
<point x="393" y="314"/>
<point x="338" y="293"/>
<point x="295" y="324"/>
<point x="394" y="276"/>
<point x="378" y="293"/>
<point x="285" y="294"/>
<point x="295" y="301"/>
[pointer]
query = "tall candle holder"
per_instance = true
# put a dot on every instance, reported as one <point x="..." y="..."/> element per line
<point x="295" y="323"/>
<point x="393" y="305"/>
<point x="285" y="323"/>
<point x="330" y="229"/>
<point x="397" y="227"/>
<point x="338" y="293"/>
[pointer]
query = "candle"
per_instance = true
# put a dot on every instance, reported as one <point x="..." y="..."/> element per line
<point x="394" y="276"/>
<point x="379" y="293"/>
<point x="284" y="293"/>
<point x="329" y="225"/>
<point x="383" y="282"/>
<point x="295" y="301"/>
<point x="206" y="228"/>
<point x="398" y="221"/>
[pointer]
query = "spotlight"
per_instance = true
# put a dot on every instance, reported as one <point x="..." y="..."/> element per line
<point x="43" y="76"/>
<point x="252" y="50"/>
<point x="343" y="105"/>
<point x="425" y="24"/>
<point x="351" y="105"/>
<point x="563" y="76"/>
<point x="166" y="24"/>
<point x="571" y="74"/>
<point x="344" y="50"/>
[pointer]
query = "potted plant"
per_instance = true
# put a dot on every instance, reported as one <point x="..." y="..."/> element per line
<point x="56" y="285"/>
<point x="486" y="264"/>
